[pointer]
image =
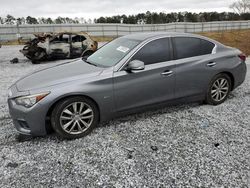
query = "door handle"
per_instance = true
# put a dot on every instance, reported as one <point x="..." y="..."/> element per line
<point x="211" y="64"/>
<point x="167" y="73"/>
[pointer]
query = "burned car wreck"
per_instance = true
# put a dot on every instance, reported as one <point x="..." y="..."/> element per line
<point x="63" y="45"/>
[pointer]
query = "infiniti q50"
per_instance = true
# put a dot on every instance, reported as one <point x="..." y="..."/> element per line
<point x="129" y="73"/>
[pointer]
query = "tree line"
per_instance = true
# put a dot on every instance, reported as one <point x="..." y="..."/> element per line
<point x="160" y="18"/>
<point x="142" y="18"/>
<point x="11" y="20"/>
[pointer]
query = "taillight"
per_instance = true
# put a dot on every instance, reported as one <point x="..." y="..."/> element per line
<point x="243" y="57"/>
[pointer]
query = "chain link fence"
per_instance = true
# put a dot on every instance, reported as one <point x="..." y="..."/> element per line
<point x="13" y="32"/>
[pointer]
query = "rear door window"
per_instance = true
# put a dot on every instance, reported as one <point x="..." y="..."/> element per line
<point x="186" y="47"/>
<point x="154" y="52"/>
<point x="206" y="47"/>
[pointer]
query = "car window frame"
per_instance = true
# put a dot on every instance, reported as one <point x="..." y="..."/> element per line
<point x="127" y="61"/>
<point x="194" y="37"/>
<point x="73" y="35"/>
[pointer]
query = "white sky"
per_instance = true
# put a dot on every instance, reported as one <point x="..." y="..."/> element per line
<point x="96" y="8"/>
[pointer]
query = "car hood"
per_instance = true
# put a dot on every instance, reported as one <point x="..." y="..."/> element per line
<point x="58" y="74"/>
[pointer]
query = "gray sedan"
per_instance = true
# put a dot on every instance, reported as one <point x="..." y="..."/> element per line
<point x="127" y="75"/>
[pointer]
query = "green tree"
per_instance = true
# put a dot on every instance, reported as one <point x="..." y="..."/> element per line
<point x="20" y="21"/>
<point x="1" y="20"/>
<point x="31" y="20"/>
<point x="10" y="19"/>
<point x="49" y="21"/>
<point x="59" y="20"/>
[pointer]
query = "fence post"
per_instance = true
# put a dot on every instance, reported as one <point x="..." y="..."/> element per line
<point x="117" y="30"/>
<point x="102" y="30"/>
<point x="18" y="33"/>
<point x="185" y="27"/>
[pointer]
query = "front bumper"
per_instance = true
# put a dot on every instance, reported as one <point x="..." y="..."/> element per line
<point x="28" y="121"/>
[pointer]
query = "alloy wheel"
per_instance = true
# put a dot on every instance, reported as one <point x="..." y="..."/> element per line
<point x="76" y="118"/>
<point x="220" y="89"/>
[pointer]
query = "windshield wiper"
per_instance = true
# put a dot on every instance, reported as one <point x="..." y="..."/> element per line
<point x="89" y="62"/>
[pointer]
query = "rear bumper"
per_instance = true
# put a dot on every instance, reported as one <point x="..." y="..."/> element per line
<point x="28" y="121"/>
<point x="240" y="74"/>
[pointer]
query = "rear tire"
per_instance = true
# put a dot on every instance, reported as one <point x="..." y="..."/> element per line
<point x="219" y="89"/>
<point x="74" y="117"/>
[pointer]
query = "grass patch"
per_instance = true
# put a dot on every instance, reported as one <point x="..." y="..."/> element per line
<point x="237" y="38"/>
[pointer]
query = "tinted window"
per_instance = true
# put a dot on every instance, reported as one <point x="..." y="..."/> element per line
<point x="186" y="47"/>
<point x="154" y="52"/>
<point x="206" y="47"/>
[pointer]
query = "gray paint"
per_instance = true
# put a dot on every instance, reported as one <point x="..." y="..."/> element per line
<point x="116" y="90"/>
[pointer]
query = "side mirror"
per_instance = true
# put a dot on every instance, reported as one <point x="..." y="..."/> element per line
<point x="135" y="65"/>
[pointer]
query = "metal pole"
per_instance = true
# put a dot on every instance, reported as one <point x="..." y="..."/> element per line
<point x="117" y="30"/>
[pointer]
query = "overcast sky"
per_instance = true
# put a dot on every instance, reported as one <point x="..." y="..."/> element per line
<point x="96" y="8"/>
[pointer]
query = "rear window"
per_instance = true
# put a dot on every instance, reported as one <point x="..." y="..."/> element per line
<point x="206" y="47"/>
<point x="186" y="47"/>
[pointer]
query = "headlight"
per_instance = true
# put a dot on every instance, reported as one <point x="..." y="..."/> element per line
<point x="31" y="100"/>
<point x="9" y="93"/>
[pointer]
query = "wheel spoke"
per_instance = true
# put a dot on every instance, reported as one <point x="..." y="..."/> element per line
<point x="224" y="84"/>
<point x="86" y="117"/>
<point x="224" y="92"/>
<point x="67" y="111"/>
<point x="215" y="86"/>
<point x="79" y="126"/>
<point x="217" y="96"/>
<point x="222" y="81"/>
<point x="220" y="96"/>
<point x="68" y="124"/>
<point x="84" y="123"/>
<point x="81" y="108"/>
<point x="73" y="126"/>
<point x="66" y="118"/>
<point x="214" y="91"/>
<point x="75" y="107"/>
<point x="86" y="111"/>
<point x="225" y="88"/>
<point x="214" y="94"/>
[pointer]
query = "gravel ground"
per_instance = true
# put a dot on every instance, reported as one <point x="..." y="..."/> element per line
<point x="181" y="146"/>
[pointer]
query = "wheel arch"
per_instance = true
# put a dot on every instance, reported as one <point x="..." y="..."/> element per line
<point x="52" y="106"/>
<point x="231" y="78"/>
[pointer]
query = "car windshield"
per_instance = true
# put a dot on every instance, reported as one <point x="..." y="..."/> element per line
<point x="110" y="54"/>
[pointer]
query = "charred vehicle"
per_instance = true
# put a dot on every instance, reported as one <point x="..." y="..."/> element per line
<point x="64" y="45"/>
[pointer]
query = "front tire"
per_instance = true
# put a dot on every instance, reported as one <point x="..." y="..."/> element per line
<point x="219" y="89"/>
<point x="74" y="117"/>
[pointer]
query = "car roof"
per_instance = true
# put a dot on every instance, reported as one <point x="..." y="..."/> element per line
<point x="151" y="35"/>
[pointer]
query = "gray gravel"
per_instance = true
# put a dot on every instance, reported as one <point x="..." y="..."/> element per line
<point x="182" y="146"/>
